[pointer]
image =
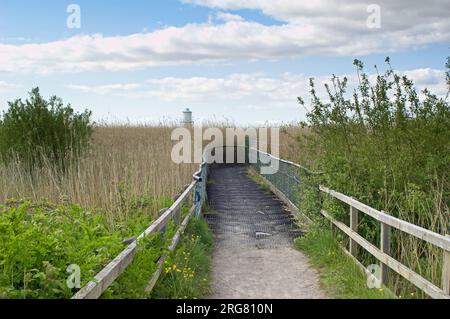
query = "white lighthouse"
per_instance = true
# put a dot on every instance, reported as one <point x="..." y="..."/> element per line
<point x="187" y="118"/>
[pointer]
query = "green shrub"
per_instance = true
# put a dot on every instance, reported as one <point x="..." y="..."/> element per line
<point x="388" y="146"/>
<point x="38" y="130"/>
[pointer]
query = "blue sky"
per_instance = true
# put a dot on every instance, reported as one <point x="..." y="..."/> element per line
<point x="143" y="60"/>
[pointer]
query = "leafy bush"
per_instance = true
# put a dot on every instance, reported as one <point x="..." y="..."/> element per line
<point x="36" y="130"/>
<point x="389" y="147"/>
<point x="39" y="241"/>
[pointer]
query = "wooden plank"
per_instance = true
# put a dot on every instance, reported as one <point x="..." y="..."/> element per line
<point x="446" y="271"/>
<point x="154" y="279"/>
<point x="177" y="216"/>
<point x="364" y="269"/>
<point x="357" y="262"/>
<point x="353" y="249"/>
<point x="94" y="289"/>
<point x="164" y="219"/>
<point x="160" y="213"/>
<point x="419" y="232"/>
<point x="172" y="247"/>
<point x="385" y="246"/>
<point x="420" y="282"/>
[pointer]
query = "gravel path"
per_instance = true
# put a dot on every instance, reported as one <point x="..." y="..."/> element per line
<point x="254" y="256"/>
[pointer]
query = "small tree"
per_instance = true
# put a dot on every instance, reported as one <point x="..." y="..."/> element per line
<point x="37" y="130"/>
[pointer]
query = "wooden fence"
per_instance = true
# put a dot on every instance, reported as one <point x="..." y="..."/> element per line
<point x="197" y="189"/>
<point x="383" y="252"/>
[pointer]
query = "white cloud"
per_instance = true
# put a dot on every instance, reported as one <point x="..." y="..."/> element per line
<point x="106" y="89"/>
<point x="321" y="27"/>
<point x="253" y="91"/>
<point x="223" y="16"/>
<point x="396" y="14"/>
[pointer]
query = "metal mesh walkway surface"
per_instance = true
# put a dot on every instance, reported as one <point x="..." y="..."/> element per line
<point x="254" y="256"/>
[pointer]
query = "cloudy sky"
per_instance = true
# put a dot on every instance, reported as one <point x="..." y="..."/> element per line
<point x="244" y="60"/>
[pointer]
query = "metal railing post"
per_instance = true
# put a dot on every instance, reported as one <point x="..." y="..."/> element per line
<point x="200" y="189"/>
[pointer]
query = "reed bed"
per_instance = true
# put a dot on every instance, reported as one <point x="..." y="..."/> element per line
<point x="124" y="165"/>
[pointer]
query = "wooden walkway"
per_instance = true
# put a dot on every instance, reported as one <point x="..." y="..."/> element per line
<point x="254" y="256"/>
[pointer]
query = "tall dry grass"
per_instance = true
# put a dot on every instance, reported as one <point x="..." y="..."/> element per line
<point x="125" y="164"/>
<point x="292" y="144"/>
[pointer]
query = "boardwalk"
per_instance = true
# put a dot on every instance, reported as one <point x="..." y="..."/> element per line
<point x="254" y="256"/>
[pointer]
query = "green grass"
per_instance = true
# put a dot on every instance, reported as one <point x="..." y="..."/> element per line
<point x="131" y="284"/>
<point x="339" y="275"/>
<point x="39" y="240"/>
<point x="258" y="179"/>
<point x="186" y="273"/>
<point x="186" y="270"/>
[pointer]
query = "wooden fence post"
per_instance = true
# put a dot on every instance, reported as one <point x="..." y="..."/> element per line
<point x="160" y="213"/>
<point x="354" y="226"/>
<point x="385" y="246"/>
<point x="446" y="271"/>
<point x="177" y="217"/>
<point x="177" y="213"/>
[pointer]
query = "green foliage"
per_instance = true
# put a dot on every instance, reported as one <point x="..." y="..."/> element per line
<point x="448" y="72"/>
<point x="187" y="270"/>
<point x="39" y="241"/>
<point x="339" y="275"/>
<point x="131" y="284"/>
<point x="389" y="147"/>
<point x="37" y="130"/>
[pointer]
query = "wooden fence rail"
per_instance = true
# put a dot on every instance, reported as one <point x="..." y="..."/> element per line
<point x="95" y="288"/>
<point x="383" y="253"/>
